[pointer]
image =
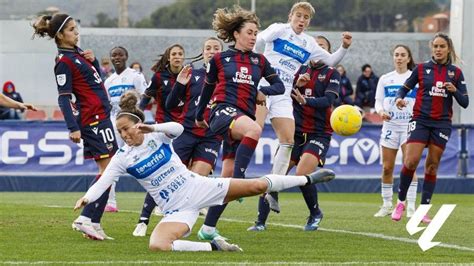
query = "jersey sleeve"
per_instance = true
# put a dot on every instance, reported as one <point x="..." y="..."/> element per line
<point x="111" y="174"/>
<point x="271" y="33"/>
<point x="153" y="87"/>
<point x="379" y="94"/>
<point x="318" y="53"/>
<point x="139" y="83"/>
<point x="63" y="77"/>
<point x="211" y="71"/>
<point x="334" y="83"/>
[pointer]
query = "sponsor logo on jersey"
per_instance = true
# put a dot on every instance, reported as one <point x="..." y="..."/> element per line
<point x="243" y="76"/>
<point x="157" y="181"/>
<point x="209" y="150"/>
<point x="289" y="49"/>
<point x="438" y="90"/>
<point x="287" y="64"/>
<point x="152" y="163"/>
<point x="317" y="143"/>
<point x="119" y="90"/>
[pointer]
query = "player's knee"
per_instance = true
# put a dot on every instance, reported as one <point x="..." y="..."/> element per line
<point x="160" y="246"/>
<point x="254" y="132"/>
<point x="432" y="168"/>
<point x="410" y="163"/>
<point x="387" y="170"/>
<point x="259" y="187"/>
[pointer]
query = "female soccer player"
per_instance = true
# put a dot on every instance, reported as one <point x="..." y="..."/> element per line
<point x="89" y="117"/>
<point x="234" y="75"/>
<point x="122" y="80"/>
<point x="439" y="82"/>
<point x="395" y="125"/>
<point x="180" y="193"/>
<point x="287" y="47"/>
<point x="314" y="93"/>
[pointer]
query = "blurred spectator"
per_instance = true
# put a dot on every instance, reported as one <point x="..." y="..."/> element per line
<point x="138" y="67"/>
<point x="346" y="90"/>
<point x="366" y="87"/>
<point x="106" y="68"/>
<point x="151" y="107"/>
<point x="10" y="92"/>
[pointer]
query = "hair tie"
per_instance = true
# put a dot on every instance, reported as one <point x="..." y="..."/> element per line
<point x="130" y="114"/>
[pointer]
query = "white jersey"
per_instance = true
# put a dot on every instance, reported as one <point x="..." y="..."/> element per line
<point x="153" y="164"/>
<point x="116" y="85"/>
<point x="385" y="96"/>
<point x="287" y="51"/>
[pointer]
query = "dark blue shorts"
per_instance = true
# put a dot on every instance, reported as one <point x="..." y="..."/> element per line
<point x="222" y="118"/>
<point x="315" y="144"/>
<point x="190" y="147"/>
<point x="419" y="132"/>
<point x="99" y="140"/>
<point x="229" y="148"/>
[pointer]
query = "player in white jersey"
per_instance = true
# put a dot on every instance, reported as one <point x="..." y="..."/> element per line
<point x="287" y="47"/>
<point x="149" y="157"/>
<point x="124" y="79"/>
<point x="395" y="125"/>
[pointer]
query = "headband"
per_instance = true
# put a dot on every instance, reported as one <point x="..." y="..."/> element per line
<point x="62" y="25"/>
<point x="130" y="114"/>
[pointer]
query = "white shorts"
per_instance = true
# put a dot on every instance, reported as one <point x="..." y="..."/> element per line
<point x="280" y="106"/>
<point x="199" y="192"/>
<point x="393" y="139"/>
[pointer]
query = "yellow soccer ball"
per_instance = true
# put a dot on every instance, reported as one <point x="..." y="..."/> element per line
<point x="346" y="120"/>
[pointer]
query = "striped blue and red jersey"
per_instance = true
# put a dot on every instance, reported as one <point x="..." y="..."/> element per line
<point x="236" y="75"/>
<point x="159" y="88"/>
<point x="319" y="93"/>
<point x="189" y="94"/>
<point x="78" y="76"/>
<point x="434" y="103"/>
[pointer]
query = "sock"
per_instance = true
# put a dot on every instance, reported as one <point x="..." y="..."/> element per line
<point x="90" y="208"/>
<point x="281" y="161"/>
<point x="148" y="205"/>
<point x="263" y="210"/>
<point x="310" y="195"/>
<point x="387" y="194"/>
<point x="185" y="245"/>
<point x="100" y="204"/>
<point x="429" y="185"/>
<point x="208" y="229"/>
<point x="243" y="154"/>
<point x="112" y="201"/>
<point x="406" y="176"/>
<point x="411" y="195"/>
<point x="213" y="215"/>
<point x="281" y="182"/>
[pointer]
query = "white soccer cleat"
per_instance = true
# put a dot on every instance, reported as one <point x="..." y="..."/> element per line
<point x="410" y="211"/>
<point x="384" y="211"/>
<point x="158" y="211"/>
<point x="101" y="231"/>
<point x="203" y="211"/>
<point x="140" y="230"/>
<point x="223" y="245"/>
<point x="86" y="228"/>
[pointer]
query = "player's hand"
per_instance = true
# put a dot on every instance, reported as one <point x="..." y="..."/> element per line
<point x="303" y="80"/>
<point x="144" y="128"/>
<point x="89" y="55"/>
<point x="261" y="98"/>
<point x="400" y="103"/>
<point x="75" y="136"/>
<point x="298" y="97"/>
<point x="80" y="203"/>
<point x="201" y="124"/>
<point x="385" y="116"/>
<point x="25" y="106"/>
<point x="346" y="39"/>
<point x="184" y="75"/>
<point x="450" y="87"/>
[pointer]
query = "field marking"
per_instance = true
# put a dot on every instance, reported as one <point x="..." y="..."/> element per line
<point x="341" y="231"/>
<point x="155" y="262"/>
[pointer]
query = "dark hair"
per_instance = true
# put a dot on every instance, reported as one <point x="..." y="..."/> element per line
<point x="137" y="63"/>
<point x="201" y="55"/>
<point x="128" y="104"/>
<point x="452" y="57"/>
<point x="50" y="25"/>
<point x="411" y="63"/>
<point x="226" y="22"/>
<point x="119" y="47"/>
<point x="365" y="66"/>
<point x="326" y="39"/>
<point x="343" y="68"/>
<point x="162" y="63"/>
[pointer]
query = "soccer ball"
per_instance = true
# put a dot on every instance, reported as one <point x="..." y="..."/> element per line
<point x="346" y="120"/>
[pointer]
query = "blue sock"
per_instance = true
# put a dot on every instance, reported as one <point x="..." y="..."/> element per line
<point x="100" y="204"/>
<point x="406" y="176"/>
<point x="310" y="195"/>
<point x="148" y="205"/>
<point x="91" y="210"/>
<point x="429" y="185"/>
<point x="263" y="210"/>
<point x="243" y="155"/>
<point x="213" y="215"/>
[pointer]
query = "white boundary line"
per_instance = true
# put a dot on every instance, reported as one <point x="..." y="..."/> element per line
<point x="341" y="231"/>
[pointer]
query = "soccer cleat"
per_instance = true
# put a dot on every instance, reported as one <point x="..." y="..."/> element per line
<point x="398" y="212"/>
<point x="223" y="245"/>
<point x="384" y="211"/>
<point x="314" y="222"/>
<point x="205" y="236"/>
<point x="140" y="229"/>
<point x="410" y="211"/>
<point x="203" y="211"/>
<point x="321" y="175"/>
<point x="257" y="227"/>
<point x="272" y="202"/>
<point x="110" y="208"/>
<point x="426" y="219"/>
<point x="101" y="231"/>
<point x="87" y="229"/>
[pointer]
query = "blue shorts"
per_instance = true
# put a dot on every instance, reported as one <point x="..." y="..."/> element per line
<point x="229" y="148"/>
<point x="99" y="140"/>
<point x="190" y="147"/>
<point x="419" y="132"/>
<point x="222" y="118"/>
<point x="315" y="144"/>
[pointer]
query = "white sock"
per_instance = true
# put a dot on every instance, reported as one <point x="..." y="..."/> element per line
<point x="208" y="229"/>
<point x="185" y="245"/>
<point x="387" y="194"/>
<point x="411" y="194"/>
<point x="112" y="200"/>
<point x="281" y="161"/>
<point x="82" y="219"/>
<point x="280" y="182"/>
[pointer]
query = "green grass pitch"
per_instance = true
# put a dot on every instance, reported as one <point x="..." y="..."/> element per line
<point x="36" y="228"/>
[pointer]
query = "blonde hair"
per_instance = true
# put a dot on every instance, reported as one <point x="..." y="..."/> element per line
<point x="226" y="22"/>
<point x="304" y="5"/>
